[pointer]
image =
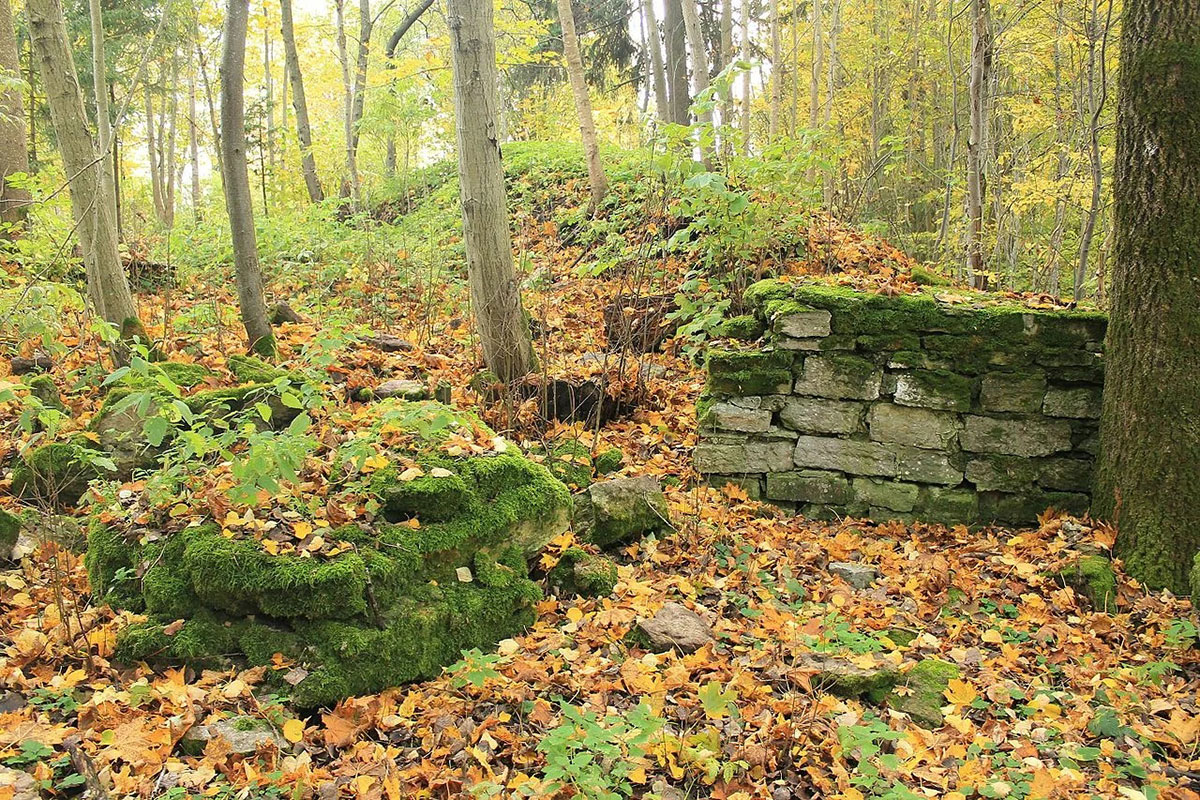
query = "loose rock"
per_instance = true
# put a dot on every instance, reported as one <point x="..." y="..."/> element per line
<point x="615" y="510"/>
<point x="245" y="735"/>
<point x="860" y="576"/>
<point x="676" y="626"/>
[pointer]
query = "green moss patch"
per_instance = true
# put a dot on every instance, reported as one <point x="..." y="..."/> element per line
<point x="441" y="567"/>
<point x="920" y="693"/>
<point x="1093" y="578"/>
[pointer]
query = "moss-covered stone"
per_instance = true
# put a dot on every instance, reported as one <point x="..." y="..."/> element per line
<point x="185" y="375"/>
<point x="1094" y="579"/>
<point x="1194" y="581"/>
<point x="10" y="528"/>
<point x="846" y="678"/>
<point x="46" y="391"/>
<point x="934" y="388"/>
<point x="582" y="573"/>
<point x="616" y="510"/>
<point x="57" y="473"/>
<point x="744" y="373"/>
<point x="921" y="691"/>
<point x="746" y="327"/>
<point x="923" y="276"/>
<point x="248" y="369"/>
<point x="400" y="602"/>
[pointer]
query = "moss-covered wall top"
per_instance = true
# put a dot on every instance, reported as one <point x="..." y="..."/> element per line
<point x="905" y="406"/>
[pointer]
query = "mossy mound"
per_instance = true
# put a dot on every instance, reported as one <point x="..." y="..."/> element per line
<point x="10" y="528"/>
<point x="58" y="473"/>
<point x="573" y="463"/>
<point x="582" y="573"/>
<point x="921" y="692"/>
<point x="1093" y="578"/>
<point x="440" y="568"/>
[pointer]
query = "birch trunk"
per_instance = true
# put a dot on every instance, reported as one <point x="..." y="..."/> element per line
<point x="677" y="76"/>
<point x="238" y="203"/>
<point x="977" y="90"/>
<point x="695" y="40"/>
<point x="14" y="156"/>
<point x="814" y="98"/>
<point x="194" y="141"/>
<point x="597" y="180"/>
<point x="776" y="77"/>
<point x="662" y="101"/>
<point x="91" y="208"/>
<point x="746" y="94"/>
<point x="495" y="289"/>
<point x="308" y="163"/>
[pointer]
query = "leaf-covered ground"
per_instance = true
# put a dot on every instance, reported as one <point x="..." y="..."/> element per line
<point x="1053" y="700"/>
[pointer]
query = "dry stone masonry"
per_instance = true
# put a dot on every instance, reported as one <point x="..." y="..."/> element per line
<point x="905" y="407"/>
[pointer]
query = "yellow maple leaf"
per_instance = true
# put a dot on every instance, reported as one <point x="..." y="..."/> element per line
<point x="293" y="730"/>
<point x="960" y="693"/>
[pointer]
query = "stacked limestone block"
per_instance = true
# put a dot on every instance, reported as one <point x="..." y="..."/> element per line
<point x="906" y="407"/>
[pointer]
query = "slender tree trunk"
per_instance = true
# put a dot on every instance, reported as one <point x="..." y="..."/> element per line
<point x="818" y="56"/>
<point x="1149" y="466"/>
<point x="677" y="75"/>
<point x="746" y="95"/>
<point x="695" y="40"/>
<point x="14" y="155"/>
<point x="91" y="208"/>
<point x="152" y="156"/>
<point x="269" y="87"/>
<point x="350" y="186"/>
<point x="583" y="106"/>
<point x="1097" y="95"/>
<point x="238" y="202"/>
<point x="776" y="74"/>
<point x="212" y="112"/>
<point x="194" y="141"/>
<point x="495" y="289"/>
<point x="725" y="61"/>
<point x="308" y="163"/>
<point x="170" y="162"/>
<point x="662" y="100"/>
<point x="980" y="67"/>
<point x="100" y="90"/>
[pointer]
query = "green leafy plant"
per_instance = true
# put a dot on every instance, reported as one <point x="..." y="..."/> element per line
<point x="595" y="757"/>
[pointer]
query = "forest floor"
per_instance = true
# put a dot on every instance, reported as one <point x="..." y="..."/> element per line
<point x="1054" y="700"/>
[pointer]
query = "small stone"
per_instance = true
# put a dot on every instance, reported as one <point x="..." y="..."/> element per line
<point x="244" y="735"/>
<point x="11" y="701"/>
<point x="845" y="678"/>
<point x="919" y="427"/>
<point x="809" y="486"/>
<point x="924" y="688"/>
<point x="675" y="626"/>
<point x="743" y="457"/>
<point x="892" y="495"/>
<point x="406" y="389"/>
<point x="860" y="576"/>
<point x="387" y="343"/>
<point x="17" y="785"/>
<point x="935" y="389"/>
<point x="1021" y="393"/>
<point x="927" y="466"/>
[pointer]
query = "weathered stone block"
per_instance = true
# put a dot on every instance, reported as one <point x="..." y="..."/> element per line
<point x="1018" y="437"/>
<point x="1002" y="473"/>
<point x="809" y="486"/>
<point x="743" y="458"/>
<point x="810" y="324"/>
<point x="839" y="377"/>
<point x="816" y="415"/>
<point x="1080" y="403"/>
<point x="948" y="506"/>
<point x="891" y="495"/>
<point x="927" y="466"/>
<point x="730" y="417"/>
<point x="936" y="389"/>
<point x="1066" y="357"/>
<point x="750" y="484"/>
<point x="919" y="427"/>
<point x="742" y="373"/>
<point x="1067" y="474"/>
<point x="845" y="455"/>
<point x="1017" y="392"/>
<point x="1024" y="508"/>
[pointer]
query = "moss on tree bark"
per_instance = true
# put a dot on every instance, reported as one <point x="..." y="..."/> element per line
<point x="1148" y="480"/>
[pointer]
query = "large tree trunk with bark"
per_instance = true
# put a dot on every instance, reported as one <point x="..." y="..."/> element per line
<point x="1149" y="471"/>
<point x="597" y="180"/>
<point x="308" y="163"/>
<point x="14" y="156"/>
<point x="495" y="290"/>
<point x="237" y="182"/>
<point x="677" y="76"/>
<point x="92" y="209"/>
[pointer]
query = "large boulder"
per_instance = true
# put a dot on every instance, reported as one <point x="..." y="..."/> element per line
<point x="616" y="510"/>
<point x="438" y="566"/>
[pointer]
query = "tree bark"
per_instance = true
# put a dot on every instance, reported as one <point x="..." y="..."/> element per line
<point x="662" y="101"/>
<point x="597" y="180"/>
<point x="308" y="163"/>
<point x="495" y="290"/>
<point x="776" y="76"/>
<point x="238" y="202"/>
<point x="1097" y="95"/>
<point x="14" y="155"/>
<point x="981" y="58"/>
<point x="91" y="208"/>
<point x="1148" y="476"/>
<point x="696" y="44"/>
<point x="814" y="89"/>
<point x="677" y="76"/>
<point x="194" y="142"/>
<point x="725" y="60"/>
<point x="350" y="185"/>
<point x="744" y="19"/>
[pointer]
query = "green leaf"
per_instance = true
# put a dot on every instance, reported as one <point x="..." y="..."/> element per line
<point x="155" y="429"/>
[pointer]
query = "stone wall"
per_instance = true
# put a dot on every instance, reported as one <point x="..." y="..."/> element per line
<point x="904" y="407"/>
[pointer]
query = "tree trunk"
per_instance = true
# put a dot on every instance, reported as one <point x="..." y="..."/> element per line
<point x="170" y="165"/>
<point x="776" y="76"/>
<point x="1097" y="52"/>
<point x="662" y="101"/>
<point x="725" y="61"/>
<point x="14" y="156"/>
<point x="194" y="141"/>
<point x="1149" y="468"/>
<point x="308" y="163"/>
<point x="495" y="290"/>
<point x="269" y="87"/>
<point x="583" y="106"/>
<point x="746" y="97"/>
<point x="695" y="40"/>
<point x="677" y="76"/>
<point x="350" y="185"/>
<point x="212" y="112"/>
<point x="91" y="208"/>
<point x="237" y="182"/>
<point x="814" y="95"/>
<point x="981" y="58"/>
